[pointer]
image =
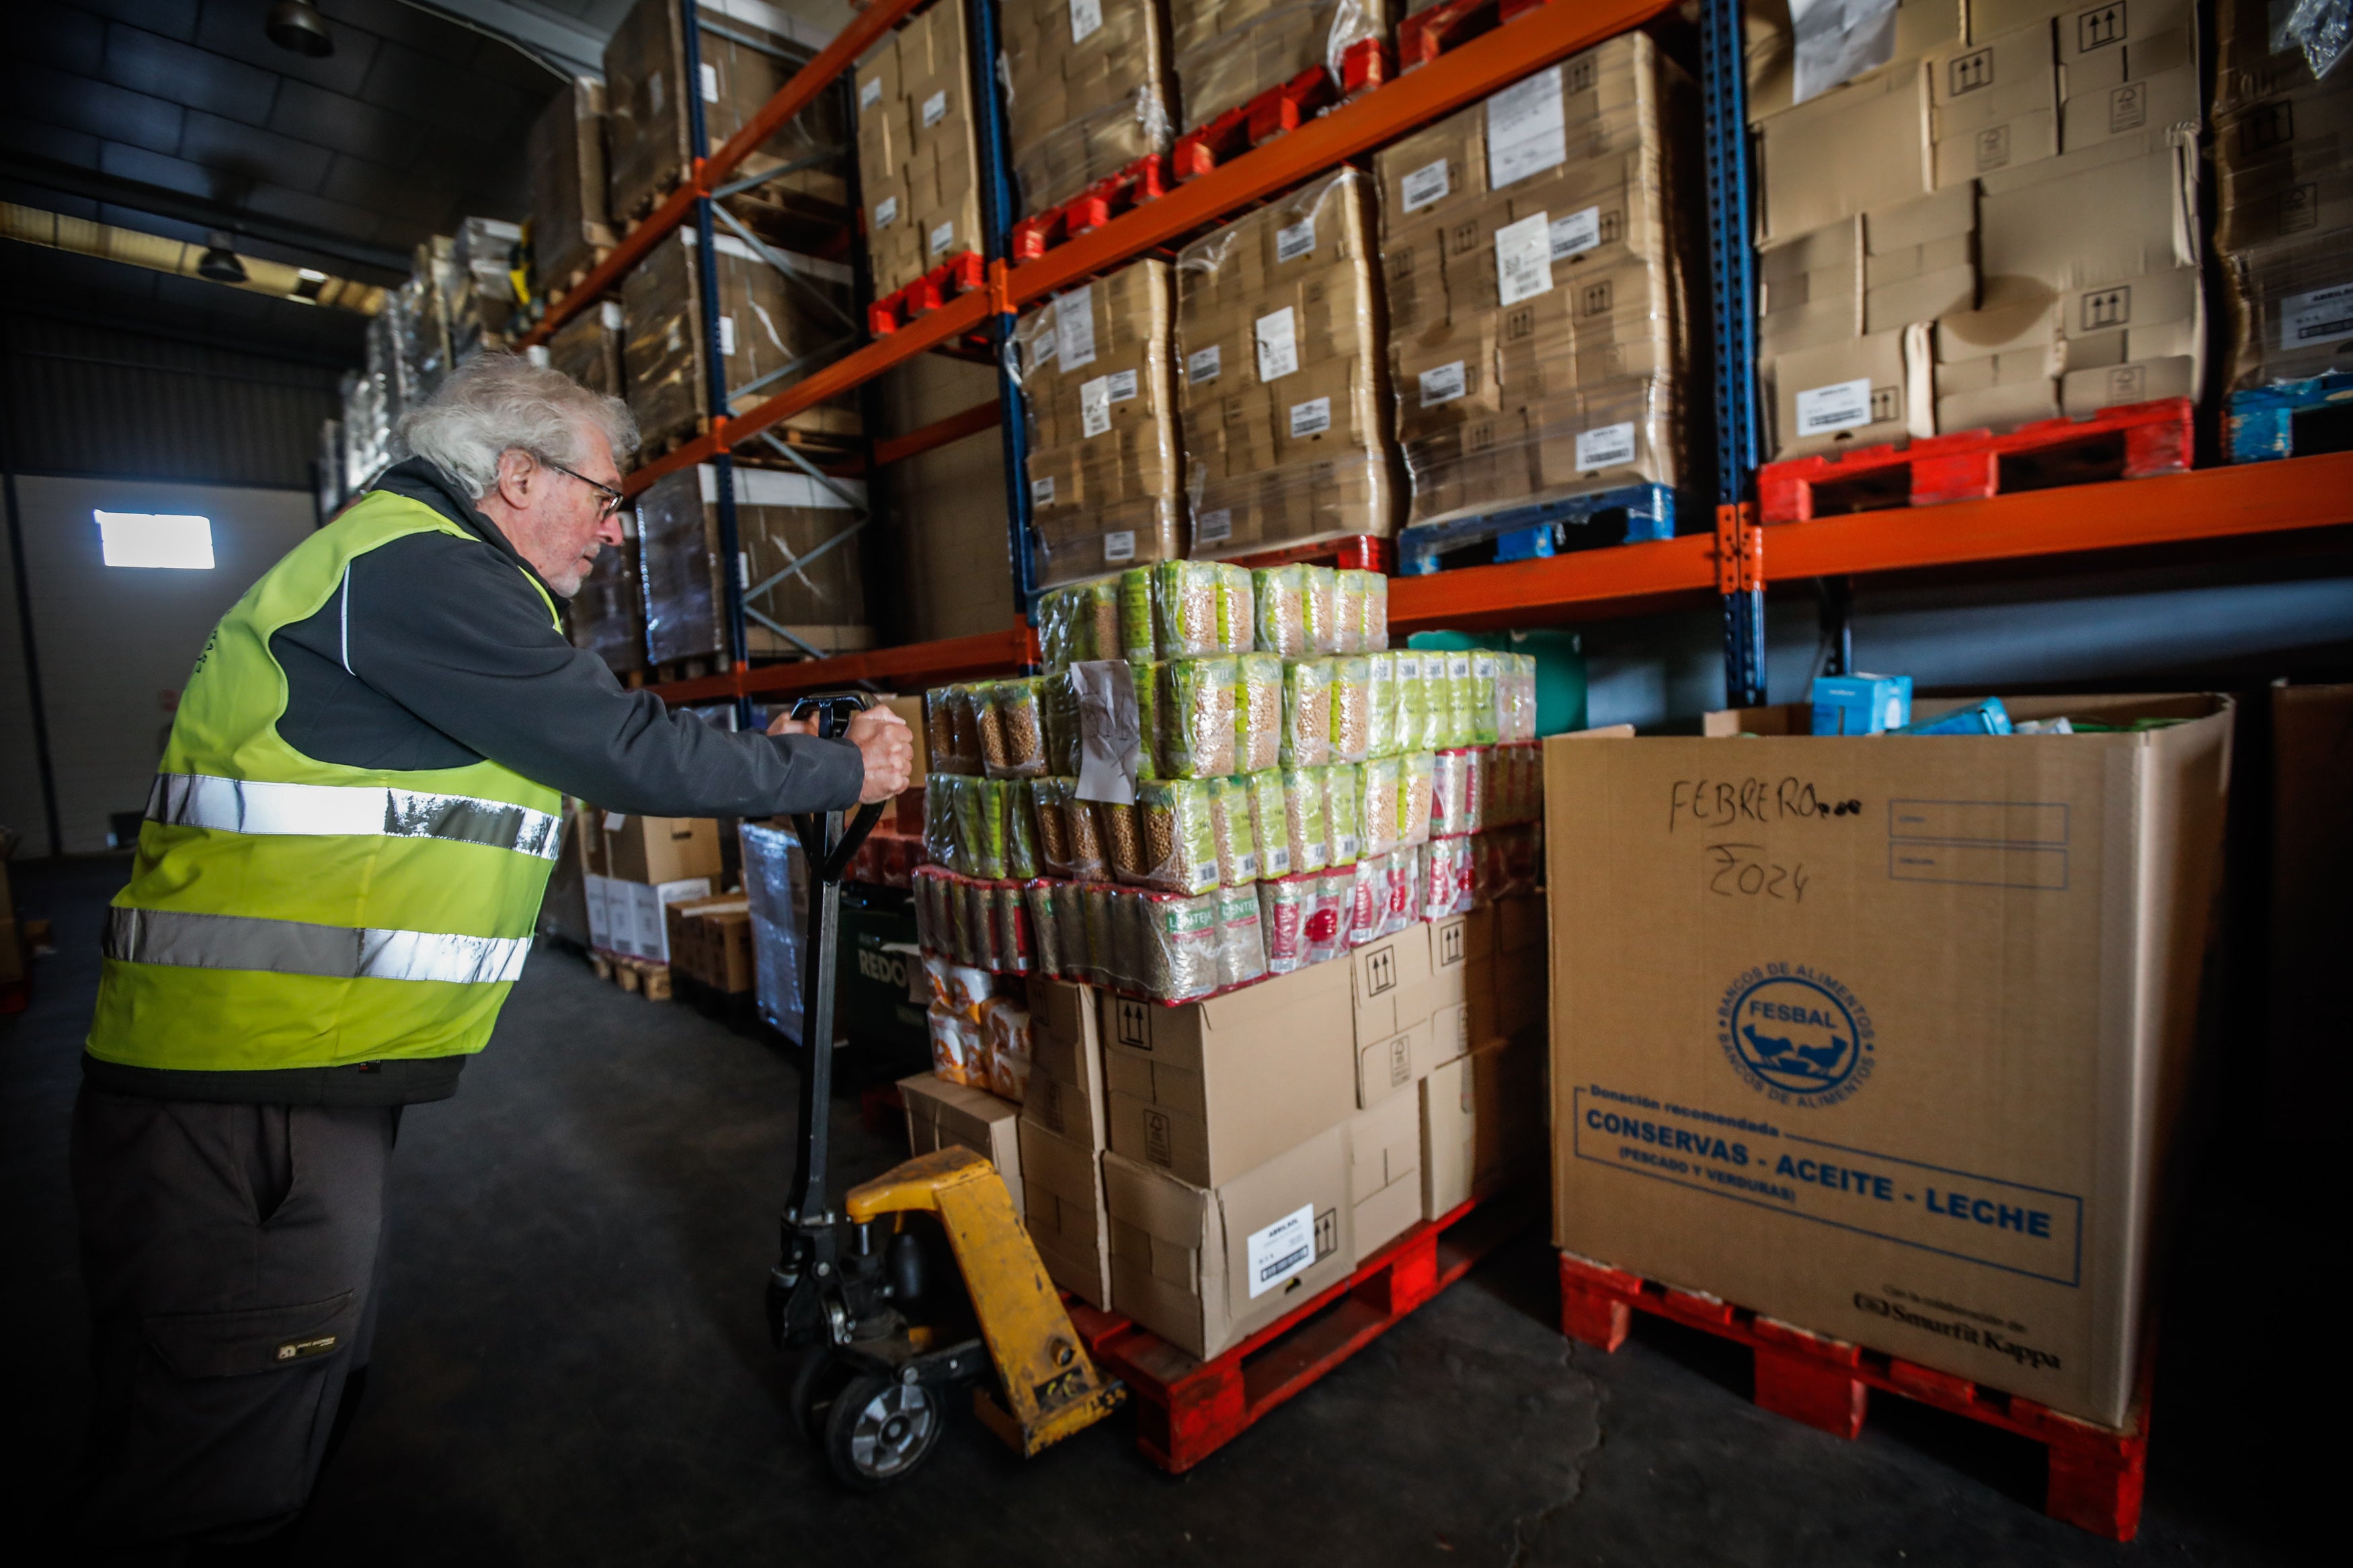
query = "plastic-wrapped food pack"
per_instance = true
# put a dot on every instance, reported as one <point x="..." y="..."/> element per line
<point x="1342" y="800"/>
<point x="1381" y="812"/>
<point x="1381" y="708"/>
<point x="1071" y="931"/>
<point x="1229" y="815"/>
<point x="1196" y="716"/>
<point x="1401" y="876"/>
<point x="1351" y="707"/>
<point x="1102" y="941"/>
<point x="1307" y="714"/>
<point x="941" y="846"/>
<point x="1004" y="1029"/>
<point x="1412" y="701"/>
<point x="1329" y="914"/>
<point x="1319" y="594"/>
<point x="1138" y="634"/>
<point x="951" y="729"/>
<point x="1455" y="798"/>
<point x="1084" y="824"/>
<point x="1013" y="735"/>
<point x="1021" y="830"/>
<point x="1177" y="944"/>
<point x="1241" y="950"/>
<point x="1417" y="782"/>
<point x="1258" y="712"/>
<point x="1044" y="927"/>
<point x="1270" y="832"/>
<point x="1087" y="91"/>
<point x="1058" y="697"/>
<point x="959" y="1053"/>
<point x="1348" y="611"/>
<point x="1177" y="840"/>
<point x="1227" y="52"/>
<point x="1280" y="600"/>
<point x="1487" y="696"/>
<point x="1306" y="835"/>
<point x="1375" y="635"/>
<point x="1015" y="950"/>
<point x="1186" y="618"/>
<point x="1283" y="906"/>
<point x="1367" y="899"/>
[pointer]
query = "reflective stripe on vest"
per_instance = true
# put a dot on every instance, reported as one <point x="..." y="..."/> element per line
<point x="298" y="947"/>
<point x="246" y="805"/>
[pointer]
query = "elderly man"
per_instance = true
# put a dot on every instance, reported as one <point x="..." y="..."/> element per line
<point x="336" y="885"/>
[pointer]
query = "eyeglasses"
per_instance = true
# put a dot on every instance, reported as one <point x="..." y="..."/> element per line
<point x="614" y="499"/>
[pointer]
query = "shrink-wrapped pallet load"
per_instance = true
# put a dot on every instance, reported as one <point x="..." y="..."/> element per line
<point x="918" y="163"/>
<point x="1089" y="91"/>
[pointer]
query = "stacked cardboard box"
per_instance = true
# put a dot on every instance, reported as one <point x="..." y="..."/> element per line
<point x="748" y="51"/>
<point x="2000" y="230"/>
<point x="918" y="166"/>
<point x="2284" y="157"/>
<point x="1927" y="1105"/>
<point x="1063" y="1135"/>
<point x="637" y="867"/>
<point x="780" y="517"/>
<point x="1229" y="51"/>
<point x="1286" y="418"/>
<point x="711" y="941"/>
<point x="1532" y="250"/>
<point x="569" y="228"/>
<point x="587" y="347"/>
<point x="944" y="1115"/>
<point x="1263" y="1143"/>
<point x="1096" y="372"/>
<point x="607" y="615"/>
<point x="779" y="313"/>
<point x="1089" y="93"/>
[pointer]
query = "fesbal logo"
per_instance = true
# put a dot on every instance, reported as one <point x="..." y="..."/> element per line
<point x="1797" y="1036"/>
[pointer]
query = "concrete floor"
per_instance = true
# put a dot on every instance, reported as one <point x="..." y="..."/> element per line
<point x="573" y="1368"/>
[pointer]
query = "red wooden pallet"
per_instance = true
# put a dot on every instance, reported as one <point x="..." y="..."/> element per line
<point x="957" y="275"/>
<point x="2129" y="442"/>
<point x="1356" y="551"/>
<point x="1364" y="65"/>
<point x="1430" y="33"/>
<point x="2096" y="1473"/>
<point x="1187" y="1409"/>
<point x="1142" y="181"/>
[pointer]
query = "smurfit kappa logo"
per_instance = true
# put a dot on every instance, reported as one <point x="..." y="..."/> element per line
<point x="1796" y="1034"/>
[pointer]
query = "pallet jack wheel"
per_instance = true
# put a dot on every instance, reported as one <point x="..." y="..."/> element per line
<point x="816" y="1381"/>
<point x="877" y="1430"/>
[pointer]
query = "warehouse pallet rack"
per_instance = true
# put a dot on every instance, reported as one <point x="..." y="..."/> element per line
<point x="2274" y="504"/>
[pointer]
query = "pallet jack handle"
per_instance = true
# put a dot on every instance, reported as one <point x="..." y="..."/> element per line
<point x="829" y="847"/>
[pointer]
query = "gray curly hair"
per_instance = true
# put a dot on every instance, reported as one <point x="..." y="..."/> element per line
<point x="501" y="402"/>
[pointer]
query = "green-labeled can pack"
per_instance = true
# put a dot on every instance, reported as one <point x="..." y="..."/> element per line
<point x="1196" y="717"/>
<point x="1307" y="714"/>
<point x="1281" y="606"/>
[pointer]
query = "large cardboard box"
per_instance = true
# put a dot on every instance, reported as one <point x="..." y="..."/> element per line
<point x="659" y="848"/>
<point x="1063" y="1204"/>
<point x="1886" y="1037"/>
<point x="1864" y="145"/>
<point x="1772" y="46"/>
<point x="1204" y="1268"/>
<point x="1066" y="1094"/>
<point x="781" y="517"/>
<point x="1385" y="1173"/>
<point x="942" y="1115"/>
<point x="1089" y="91"/>
<point x="917" y="162"/>
<point x="566" y="151"/>
<point x="1482" y="1123"/>
<point x="1207" y="1090"/>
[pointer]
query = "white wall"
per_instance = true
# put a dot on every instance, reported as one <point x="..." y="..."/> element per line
<point x="113" y="641"/>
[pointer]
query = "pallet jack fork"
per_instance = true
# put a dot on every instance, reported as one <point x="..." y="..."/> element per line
<point x="863" y="1295"/>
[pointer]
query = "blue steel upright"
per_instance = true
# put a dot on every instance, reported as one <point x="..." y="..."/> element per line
<point x="714" y="362"/>
<point x="1724" y="88"/>
<point x="1000" y="210"/>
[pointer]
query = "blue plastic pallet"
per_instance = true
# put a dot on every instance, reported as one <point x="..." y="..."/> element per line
<point x="2261" y="423"/>
<point x="1549" y="528"/>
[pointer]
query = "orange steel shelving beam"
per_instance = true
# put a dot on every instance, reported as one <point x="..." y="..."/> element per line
<point x="710" y="174"/>
<point x="918" y="664"/>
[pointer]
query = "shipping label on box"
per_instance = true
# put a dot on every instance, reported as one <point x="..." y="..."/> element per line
<point x="1889" y="1079"/>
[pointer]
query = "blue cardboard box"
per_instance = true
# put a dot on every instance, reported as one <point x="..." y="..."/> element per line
<point x="1861" y="704"/>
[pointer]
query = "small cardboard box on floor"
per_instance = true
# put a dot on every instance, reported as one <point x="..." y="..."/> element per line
<point x="1885" y="1036"/>
<point x="942" y="1115"/>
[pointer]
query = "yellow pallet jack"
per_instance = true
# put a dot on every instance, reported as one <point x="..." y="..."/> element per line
<point x="927" y="1281"/>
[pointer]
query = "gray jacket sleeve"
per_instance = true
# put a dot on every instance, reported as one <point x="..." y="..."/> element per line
<point x="455" y="633"/>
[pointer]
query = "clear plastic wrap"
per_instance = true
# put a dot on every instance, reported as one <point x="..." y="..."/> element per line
<point x="1186" y="621"/>
<point x="1280" y="594"/>
<point x="1176" y="837"/>
<point x="1227" y="52"/>
<point x="1367" y="899"/>
<point x="1015" y="729"/>
<point x="1307" y="714"/>
<point x="1381" y="811"/>
<point x="1095" y="372"/>
<point x="1457" y="798"/>
<point x="779" y="517"/>
<point x="1258" y="712"/>
<point x="1326" y="927"/>
<point x="1242" y="949"/>
<point x="1230" y="816"/>
<point x="1088" y="92"/>
<point x="1283" y="907"/>
<point x="1197" y="717"/>
<point x="776" y="887"/>
<point x="2323" y="29"/>
<point x="918" y="165"/>
<point x="1286" y="426"/>
<point x="1417" y="784"/>
<point x="1351" y="707"/>
<point x="1269" y="822"/>
<point x="1078" y="623"/>
<point x="1306" y="835"/>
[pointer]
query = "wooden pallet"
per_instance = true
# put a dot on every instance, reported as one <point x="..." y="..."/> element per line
<point x="1284" y="107"/>
<point x="2129" y="442"/>
<point x="1431" y="32"/>
<point x="641" y="975"/>
<point x="1354" y="551"/>
<point x="1146" y="179"/>
<point x="2096" y="1473"/>
<point x="957" y="275"/>
<point x="2291" y="419"/>
<point x="1187" y="1409"/>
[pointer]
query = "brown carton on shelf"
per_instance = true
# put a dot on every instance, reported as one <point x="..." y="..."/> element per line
<point x="1063" y="1204"/>
<point x="1227" y="52"/>
<point x="942" y="1115"/>
<point x="1066" y="1089"/>
<point x="1206" y="1090"/>
<point x="587" y="347"/>
<point x="767" y="324"/>
<point x="1771" y="47"/>
<point x="1482" y="1123"/>
<point x="1089" y="93"/>
<point x="607" y="615"/>
<point x="1097" y="375"/>
<point x="1922" y="1103"/>
<point x="1204" y="1268"/>
<point x="1850" y="394"/>
<point x="568" y="222"/>
<point x="748" y="51"/>
<point x="2293" y="304"/>
<point x="917" y="160"/>
<point x="1861" y="146"/>
<point x="1285" y="402"/>
<point x="780" y="517"/>
<point x="656" y="849"/>
<point x="1992" y="105"/>
<point x="1385" y="1173"/>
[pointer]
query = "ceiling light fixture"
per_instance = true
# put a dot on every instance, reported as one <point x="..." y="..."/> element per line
<point x="296" y="26"/>
<point x="220" y="263"/>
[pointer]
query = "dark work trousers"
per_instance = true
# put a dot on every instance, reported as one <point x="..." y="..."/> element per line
<point x="232" y="1254"/>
